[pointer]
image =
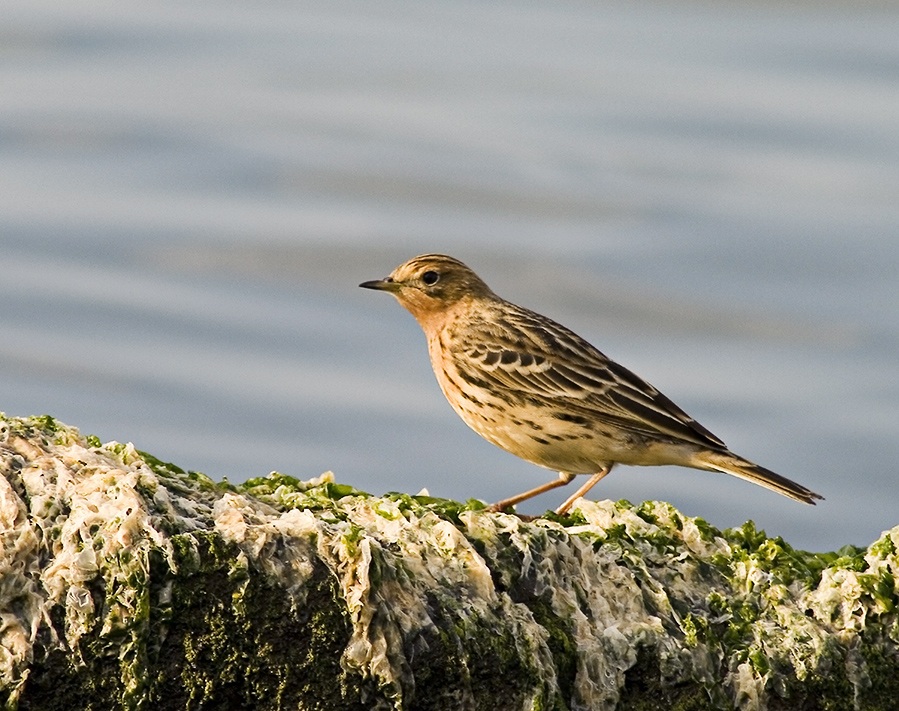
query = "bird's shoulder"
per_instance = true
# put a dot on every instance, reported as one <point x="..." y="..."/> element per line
<point x="507" y="337"/>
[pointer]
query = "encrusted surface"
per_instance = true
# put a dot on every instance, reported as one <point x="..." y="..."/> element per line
<point x="128" y="583"/>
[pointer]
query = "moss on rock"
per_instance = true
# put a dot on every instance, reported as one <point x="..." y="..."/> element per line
<point x="129" y="583"/>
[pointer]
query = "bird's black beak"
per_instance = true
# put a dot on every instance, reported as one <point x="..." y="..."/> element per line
<point x="387" y="284"/>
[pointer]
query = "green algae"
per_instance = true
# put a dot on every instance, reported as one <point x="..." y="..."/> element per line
<point x="219" y="639"/>
<point x="236" y="640"/>
<point x="172" y="472"/>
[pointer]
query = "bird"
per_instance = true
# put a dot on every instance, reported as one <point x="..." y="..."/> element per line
<point x="539" y="391"/>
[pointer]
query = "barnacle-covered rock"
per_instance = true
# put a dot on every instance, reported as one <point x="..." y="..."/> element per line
<point x="127" y="583"/>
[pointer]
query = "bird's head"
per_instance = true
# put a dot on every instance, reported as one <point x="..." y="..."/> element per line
<point x="429" y="285"/>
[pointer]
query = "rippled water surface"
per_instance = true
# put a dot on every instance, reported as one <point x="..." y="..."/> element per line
<point x="709" y="192"/>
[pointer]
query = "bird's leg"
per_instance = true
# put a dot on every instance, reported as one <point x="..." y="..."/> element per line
<point x="564" y="478"/>
<point x="589" y="484"/>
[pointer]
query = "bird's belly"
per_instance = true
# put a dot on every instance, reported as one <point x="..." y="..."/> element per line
<point x="545" y="441"/>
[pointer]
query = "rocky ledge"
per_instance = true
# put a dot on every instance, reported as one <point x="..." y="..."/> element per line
<point x="128" y="583"/>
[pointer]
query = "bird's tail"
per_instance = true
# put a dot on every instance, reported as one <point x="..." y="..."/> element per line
<point x="734" y="465"/>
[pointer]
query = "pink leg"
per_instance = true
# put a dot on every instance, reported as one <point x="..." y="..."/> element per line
<point x="590" y="483"/>
<point x="564" y="478"/>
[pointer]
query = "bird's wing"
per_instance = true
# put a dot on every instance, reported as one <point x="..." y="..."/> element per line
<point x="532" y="357"/>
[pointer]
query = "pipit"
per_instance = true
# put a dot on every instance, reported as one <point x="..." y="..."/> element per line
<point x="538" y="390"/>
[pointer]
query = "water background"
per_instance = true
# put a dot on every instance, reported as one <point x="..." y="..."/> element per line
<point x="709" y="192"/>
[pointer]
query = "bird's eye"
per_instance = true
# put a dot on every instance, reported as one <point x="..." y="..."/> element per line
<point x="430" y="277"/>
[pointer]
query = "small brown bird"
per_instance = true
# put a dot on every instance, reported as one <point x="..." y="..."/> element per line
<point x="540" y="391"/>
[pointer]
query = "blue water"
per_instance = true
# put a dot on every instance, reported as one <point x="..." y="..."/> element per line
<point x="709" y="192"/>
